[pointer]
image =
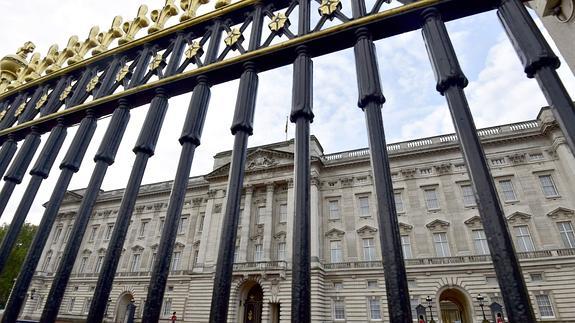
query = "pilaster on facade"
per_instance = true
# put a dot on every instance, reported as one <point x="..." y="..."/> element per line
<point x="268" y="222"/>
<point x="245" y="224"/>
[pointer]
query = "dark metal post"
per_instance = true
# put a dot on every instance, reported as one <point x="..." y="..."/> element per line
<point x="190" y="139"/>
<point x="131" y="312"/>
<point x="302" y="116"/>
<point x="540" y="62"/>
<point x="7" y="152"/>
<point x="370" y="101"/>
<point x="70" y="165"/>
<point x="144" y="149"/>
<point x="450" y="83"/>
<point x="242" y="128"/>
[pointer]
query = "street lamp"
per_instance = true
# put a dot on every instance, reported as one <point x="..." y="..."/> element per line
<point x="429" y="299"/>
<point x="480" y="299"/>
<point x="107" y="305"/>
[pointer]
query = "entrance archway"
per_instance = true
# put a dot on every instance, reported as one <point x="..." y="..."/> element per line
<point x="455" y="306"/>
<point x="251" y="302"/>
<point x="122" y="307"/>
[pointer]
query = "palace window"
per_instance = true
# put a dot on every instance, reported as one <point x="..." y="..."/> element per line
<point x="441" y="244"/>
<point x="548" y="186"/>
<point x="161" y="226"/>
<point x="109" y="230"/>
<point x="83" y="264"/>
<point x="363" y="202"/>
<point x="93" y="233"/>
<point x="182" y="225"/>
<point x="46" y="262"/>
<point x="468" y="196"/>
<point x="372" y="284"/>
<point x="507" y="190"/>
<point x="201" y="224"/>
<point x="167" y="307"/>
<point x="480" y="242"/>
<point x="57" y="234"/>
<point x="567" y="235"/>
<point x="176" y="260"/>
<point x="368" y="249"/>
<point x="282" y="251"/>
<point x="67" y="235"/>
<point x="259" y="254"/>
<point x="431" y="199"/>
<point x="283" y="213"/>
<point x="406" y="246"/>
<point x="334" y="210"/>
<point x="87" y="303"/>
<point x="524" y="241"/>
<point x="260" y="214"/>
<point x="236" y="254"/>
<point x="71" y="302"/>
<point x="152" y="261"/>
<point x="142" y="231"/>
<point x="335" y="251"/>
<point x="135" y="262"/>
<point x="544" y="305"/>
<point x="398" y="202"/>
<point x="196" y="254"/>
<point x="338" y="309"/>
<point x="99" y="262"/>
<point x="374" y="309"/>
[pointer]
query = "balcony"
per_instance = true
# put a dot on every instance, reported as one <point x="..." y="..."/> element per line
<point x="260" y="265"/>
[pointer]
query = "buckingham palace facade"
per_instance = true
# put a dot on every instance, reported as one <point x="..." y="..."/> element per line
<point x="442" y="237"/>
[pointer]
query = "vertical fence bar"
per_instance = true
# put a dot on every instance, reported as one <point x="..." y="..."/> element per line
<point x="242" y="128"/>
<point x="540" y="62"/>
<point x="144" y="149"/>
<point x="370" y="101"/>
<point x="302" y="115"/>
<point x="450" y="82"/>
<point x="190" y="139"/>
<point x="7" y="152"/>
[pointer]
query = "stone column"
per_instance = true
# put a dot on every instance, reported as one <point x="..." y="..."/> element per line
<point x="206" y="229"/>
<point x="315" y="223"/>
<point x="290" y="219"/>
<point x="268" y="222"/>
<point x="566" y="159"/>
<point x="245" y="223"/>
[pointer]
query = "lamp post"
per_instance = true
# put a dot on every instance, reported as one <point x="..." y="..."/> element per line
<point x="429" y="299"/>
<point x="480" y="299"/>
<point x="107" y="305"/>
<point x="131" y="311"/>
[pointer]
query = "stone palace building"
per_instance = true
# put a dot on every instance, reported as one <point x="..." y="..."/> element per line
<point x="443" y="241"/>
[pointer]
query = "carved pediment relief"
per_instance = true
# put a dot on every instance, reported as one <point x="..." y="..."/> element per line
<point x="405" y="228"/>
<point x="102" y="250"/>
<point x="408" y="172"/>
<point x="179" y="246"/>
<point x="137" y="248"/>
<point x="561" y="213"/>
<point x="86" y="251"/>
<point x="518" y="217"/>
<point x="366" y="230"/>
<point x="154" y="246"/>
<point x="443" y="168"/>
<point x="334" y="233"/>
<point x="437" y="225"/>
<point x="474" y="222"/>
<point x="281" y="236"/>
<point x="259" y="159"/>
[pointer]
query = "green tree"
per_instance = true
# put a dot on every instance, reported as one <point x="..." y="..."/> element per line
<point x="16" y="259"/>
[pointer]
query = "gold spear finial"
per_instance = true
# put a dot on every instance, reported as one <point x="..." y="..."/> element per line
<point x="11" y="67"/>
<point x="106" y="38"/>
<point x="132" y="28"/>
<point x="28" y="48"/>
<point x="63" y="56"/>
<point x="190" y="8"/>
<point x="160" y="17"/>
<point x="222" y="3"/>
<point x="81" y="49"/>
<point x="37" y="67"/>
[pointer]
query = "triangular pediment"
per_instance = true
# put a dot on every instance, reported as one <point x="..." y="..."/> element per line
<point x="259" y="159"/>
<point x="518" y="217"/>
<point x="137" y="248"/>
<point x="437" y="224"/>
<point x="334" y="233"/>
<point x="366" y="230"/>
<point x="474" y="220"/>
<point x="404" y="227"/>
<point x="561" y="213"/>
<point x="280" y="235"/>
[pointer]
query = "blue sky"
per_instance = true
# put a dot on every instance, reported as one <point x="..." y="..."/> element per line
<point x="498" y="92"/>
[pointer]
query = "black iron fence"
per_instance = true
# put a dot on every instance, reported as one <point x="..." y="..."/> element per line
<point x="192" y="56"/>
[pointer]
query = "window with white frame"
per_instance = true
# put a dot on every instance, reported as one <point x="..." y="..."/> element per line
<point x="283" y="213"/>
<point x="524" y="241"/>
<point x="201" y="222"/>
<point x="334" y="209"/>
<point x="374" y="308"/>
<point x="46" y="262"/>
<point x="431" y="198"/>
<point x="544" y="305"/>
<point x="480" y="242"/>
<point x="109" y="230"/>
<point x="57" y="234"/>
<point x="338" y="309"/>
<point x="368" y="249"/>
<point x="337" y="285"/>
<point x="468" y="195"/>
<point x="548" y="186"/>
<point x="176" y="260"/>
<point x="87" y="303"/>
<point x="398" y="202"/>
<point x="236" y="253"/>
<point x="152" y="260"/>
<point x="58" y="259"/>
<point x="281" y="251"/>
<point x="406" y="246"/>
<point x="161" y="226"/>
<point x="142" y="231"/>
<point x="167" y="307"/>
<point x="259" y="254"/>
<point x="135" y="262"/>
<point x="335" y="251"/>
<point x="93" y="233"/>
<point x="71" y="302"/>
<point x="196" y="254"/>
<point x="372" y="284"/>
<point x="67" y="235"/>
<point x="567" y="235"/>
<point x="182" y="225"/>
<point x="441" y="244"/>
<point x="98" y="265"/>
<point x="83" y="263"/>
<point x="260" y="211"/>
<point x="507" y="190"/>
<point x="363" y="202"/>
